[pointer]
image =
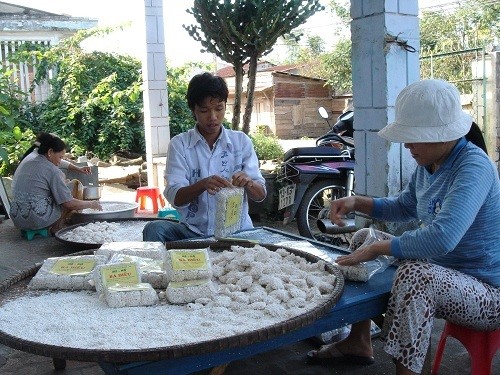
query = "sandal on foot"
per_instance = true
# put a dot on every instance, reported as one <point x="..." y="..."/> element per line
<point x="329" y="354"/>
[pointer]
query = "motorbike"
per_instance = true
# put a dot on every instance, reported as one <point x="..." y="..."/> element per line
<point x="311" y="177"/>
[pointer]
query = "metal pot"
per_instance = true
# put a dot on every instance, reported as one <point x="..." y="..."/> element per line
<point x="92" y="192"/>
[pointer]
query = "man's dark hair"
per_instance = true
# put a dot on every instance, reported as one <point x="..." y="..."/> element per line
<point x="206" y="85"/>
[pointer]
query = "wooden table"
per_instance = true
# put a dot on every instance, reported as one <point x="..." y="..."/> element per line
<point x="360" y="301"/>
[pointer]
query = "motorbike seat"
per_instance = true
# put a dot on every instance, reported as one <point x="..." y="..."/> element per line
<point x="312" y="152"/>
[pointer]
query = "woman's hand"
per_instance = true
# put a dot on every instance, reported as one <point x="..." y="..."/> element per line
<point x="356" y="257"/>
<point x="339" y="208"/>
<point x="85" y="170"/>
<point x="95" y="205"/>
<point x="214" y="183"/>
<point x="365" y="253"/>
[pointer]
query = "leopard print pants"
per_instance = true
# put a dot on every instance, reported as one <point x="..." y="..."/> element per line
<point x="422" y="291"/>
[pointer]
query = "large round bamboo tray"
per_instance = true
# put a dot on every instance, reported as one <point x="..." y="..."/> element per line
<point x="16" y="286"/>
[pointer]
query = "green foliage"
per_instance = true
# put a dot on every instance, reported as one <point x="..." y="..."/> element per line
<point x="315" y="46"/>
<point x="469" y="27"/>
<point x="243" y="31"/>
<point x="337" y="67"/>
<point x="473" y="24"/>
<point x="15" y="144"/>
<point x="266" y="147"/>
<point x="95" y="102"/>
<point x="180" y="117"/>
<point x="13" y="140"/>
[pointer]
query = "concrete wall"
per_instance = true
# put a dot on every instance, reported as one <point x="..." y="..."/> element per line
<point x="493" y="109"/>
<point x="380" y="71"/>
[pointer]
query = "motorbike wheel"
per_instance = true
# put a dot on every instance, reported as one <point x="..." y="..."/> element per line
<point x="315" y="206"/>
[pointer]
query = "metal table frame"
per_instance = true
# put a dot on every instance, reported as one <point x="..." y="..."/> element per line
<point x="360" y="301"/>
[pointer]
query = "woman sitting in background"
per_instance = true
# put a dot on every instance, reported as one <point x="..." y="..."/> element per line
<point x="41" y="196"/>
<point x="32" y="153"/>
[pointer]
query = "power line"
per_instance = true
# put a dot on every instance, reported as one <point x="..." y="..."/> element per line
<point x="457" y="4"/>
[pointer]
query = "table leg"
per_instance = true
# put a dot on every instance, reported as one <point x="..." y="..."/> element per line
<point x="59" y="364"/>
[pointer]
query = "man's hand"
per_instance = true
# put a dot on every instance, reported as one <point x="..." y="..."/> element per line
<point x="214" y="183"/>
<point x="241" y="179"/>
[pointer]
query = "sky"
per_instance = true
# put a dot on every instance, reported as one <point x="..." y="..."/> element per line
<point x="177" y="40"/>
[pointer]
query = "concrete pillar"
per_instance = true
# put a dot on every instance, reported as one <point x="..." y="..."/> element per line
<point x="156" y="126"/>
<point x="493" y="107"/>
<point x="380" y="70"/>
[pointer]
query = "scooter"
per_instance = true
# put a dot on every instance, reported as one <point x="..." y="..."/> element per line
<point x="311" y="177"/>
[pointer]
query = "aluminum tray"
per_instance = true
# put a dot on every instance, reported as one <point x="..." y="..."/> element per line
<point x="127" y="210"/>
<point x="84" y="245"/>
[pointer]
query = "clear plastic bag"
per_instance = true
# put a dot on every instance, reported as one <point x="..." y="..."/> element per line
<point x="365" y="270"/>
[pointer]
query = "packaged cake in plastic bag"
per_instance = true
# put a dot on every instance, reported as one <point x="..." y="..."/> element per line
<point x="228" y="211"/>
<point x="365" y="270"/>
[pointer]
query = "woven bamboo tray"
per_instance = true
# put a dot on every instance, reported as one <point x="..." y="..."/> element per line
<point x="16" y="286"/>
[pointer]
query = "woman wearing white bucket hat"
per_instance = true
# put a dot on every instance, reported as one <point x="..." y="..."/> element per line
<point x="449" y="266"/>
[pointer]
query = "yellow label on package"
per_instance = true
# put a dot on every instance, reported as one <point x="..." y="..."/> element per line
<point x="188" y="260"/>
<point x="120" y="273"/>
<point x="186" y="283"/>
<point x="73" y="266"/>
<point x="233" y="210"/>
<point x="128" y="287"/>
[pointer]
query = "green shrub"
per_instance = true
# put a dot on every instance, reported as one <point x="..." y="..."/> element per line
<point x="181" y="118"/>
<point x="14" y="139"/>
<point x="267" y="147"/>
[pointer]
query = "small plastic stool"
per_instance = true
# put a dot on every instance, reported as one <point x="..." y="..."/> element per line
<point x="152" y="192"/>
<point x="170" y="213"/>
<point x="29" y="234"/>
<point x="481" y="345"/>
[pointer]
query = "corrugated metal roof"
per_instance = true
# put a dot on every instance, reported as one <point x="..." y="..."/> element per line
<point x="19" y="10"/>
<point x="20" y="18"/>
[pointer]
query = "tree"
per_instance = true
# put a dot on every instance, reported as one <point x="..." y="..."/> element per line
<point x="334" y="66"/>
<point x="473" y="24"/>
<point x="240" y="32"/>
<point x="180" y="116"/>
<point x="14" y="139"/>
<point x="95" y="102"/>
<point x="469" y="27"/>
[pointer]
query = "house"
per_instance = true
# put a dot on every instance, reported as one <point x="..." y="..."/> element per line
<point x="19" y="25"/>
<point x="285" y="102"/>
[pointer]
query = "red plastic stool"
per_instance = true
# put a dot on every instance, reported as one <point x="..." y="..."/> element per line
<point x="151" y="192"/>
<point x="481" y="345"/>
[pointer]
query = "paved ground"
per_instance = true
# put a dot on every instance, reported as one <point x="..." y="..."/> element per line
<point x="17" y="253"/>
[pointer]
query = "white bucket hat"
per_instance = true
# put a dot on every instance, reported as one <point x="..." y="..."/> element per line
<point x="428" y="111"/>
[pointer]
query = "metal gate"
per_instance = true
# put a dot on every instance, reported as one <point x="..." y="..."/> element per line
<point x="466" y="69"/>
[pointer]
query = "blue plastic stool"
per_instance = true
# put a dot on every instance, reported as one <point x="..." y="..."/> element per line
<point x="169" y="213"/>
<point x="30" y="233"/>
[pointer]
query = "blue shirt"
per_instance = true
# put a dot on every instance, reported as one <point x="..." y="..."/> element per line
<point x="459" y="210"/>
<point x="189" y="160"/>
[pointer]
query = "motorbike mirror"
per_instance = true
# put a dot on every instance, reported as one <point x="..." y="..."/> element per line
<point x="346" y="116"/>
<point x="322" y="112"/>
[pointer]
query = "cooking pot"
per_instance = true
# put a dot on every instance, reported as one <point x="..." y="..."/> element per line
<point x="92" y="192"/>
